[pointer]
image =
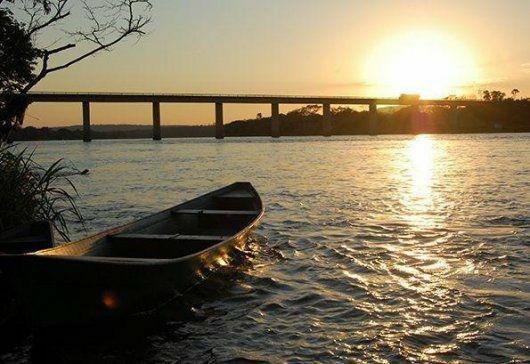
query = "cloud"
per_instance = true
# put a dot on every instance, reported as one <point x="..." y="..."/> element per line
<point x="526" y="67"/>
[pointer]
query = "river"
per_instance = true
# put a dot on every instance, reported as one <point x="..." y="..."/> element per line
<point x="372" y="249"/>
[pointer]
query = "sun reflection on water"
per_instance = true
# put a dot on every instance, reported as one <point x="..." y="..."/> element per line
<point x="421" y="154"/>
<point x="418" y="198"/>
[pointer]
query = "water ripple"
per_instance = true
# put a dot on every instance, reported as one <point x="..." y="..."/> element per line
<point x="373" y="249"/>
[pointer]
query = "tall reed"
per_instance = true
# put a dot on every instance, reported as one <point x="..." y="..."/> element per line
<point x="30" y="192"/>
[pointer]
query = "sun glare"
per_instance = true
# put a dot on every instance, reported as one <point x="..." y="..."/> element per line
<point x="426" y="63"/>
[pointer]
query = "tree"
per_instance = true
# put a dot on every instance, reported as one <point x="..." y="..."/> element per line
<point x="514" y="93"/>
<point x="28" y="191"/>
<point x="308" y="110"/>
<point x="107" y="23"/>
<point x="18" y="58"/>
<point x="497" y="95"/>
<point x="486" y="95"/>
<point x="342" y="111"/>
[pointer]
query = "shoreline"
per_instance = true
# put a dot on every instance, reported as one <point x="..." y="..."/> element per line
<point x="283" y="136"/>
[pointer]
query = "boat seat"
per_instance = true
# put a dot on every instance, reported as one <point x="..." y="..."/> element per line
<point x="216" y="212"/>
<point x="126" y="236"/>
<point x="159" y="246"/>
<point x="235" y="194"/>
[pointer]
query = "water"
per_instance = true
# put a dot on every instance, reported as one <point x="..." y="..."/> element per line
<point x="380" y="249"/>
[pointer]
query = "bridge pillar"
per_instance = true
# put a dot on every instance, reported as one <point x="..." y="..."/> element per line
<point x="86" y="122"/>
<point x="275" y="120"/>
<point x="219" y="126"/>
<point x="326" y="119"/>
<point x="157" y="132"/>
<point x="372" y="124"/>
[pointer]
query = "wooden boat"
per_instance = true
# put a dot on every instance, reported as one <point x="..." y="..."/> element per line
<point x="136" y="267"/>
<point x="27" y="238"/>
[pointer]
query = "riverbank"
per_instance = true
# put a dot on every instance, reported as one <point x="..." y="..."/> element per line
<point x="503" y="117"/>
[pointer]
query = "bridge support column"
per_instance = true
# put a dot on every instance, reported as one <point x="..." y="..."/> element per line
<point x="86" y="122"/>
<point x="157" y="132"/>
<point x="326" y="120"/>
<point x="219" y="126"/>
<point x="275" y="120"/>
<point x="373" y="122"/>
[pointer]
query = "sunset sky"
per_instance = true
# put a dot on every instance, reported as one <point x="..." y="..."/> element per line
<point x="302" y="47"/>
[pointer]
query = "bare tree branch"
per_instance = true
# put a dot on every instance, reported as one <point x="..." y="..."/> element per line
<point x="60" y="49"/>
<point x="99" y="31"/>
<point x="108" y="23"/>
<point x="59" y="12"/>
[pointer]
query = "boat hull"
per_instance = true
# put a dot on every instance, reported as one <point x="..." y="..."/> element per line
<point x="27" y="238"/>
<point x="67" y="289"/>
<point x="84" y="291"/>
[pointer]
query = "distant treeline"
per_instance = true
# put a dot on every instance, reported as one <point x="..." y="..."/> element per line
<point x="508" y="116"/>
<point x="113" y="132"/>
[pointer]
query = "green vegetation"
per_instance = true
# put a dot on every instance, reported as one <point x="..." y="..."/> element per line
<point x="114" y="132"/>
<point x="18" y="58"/>
<point x="31" y="192"/>
<point x="508" y="116"/>
<point x="32" y="46"/>
<point x="24" y="64"/>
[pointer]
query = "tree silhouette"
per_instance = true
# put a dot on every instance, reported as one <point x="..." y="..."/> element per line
<point x="18" y="58"/>
<point x="106" y="23"/>
<point x="514" y="93"/>
<point x="497" y="95"/>
<point x="305" y="111"/>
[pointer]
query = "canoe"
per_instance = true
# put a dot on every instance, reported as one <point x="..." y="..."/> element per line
<point x="27" y="238"/>
<point x="137" y="267"/>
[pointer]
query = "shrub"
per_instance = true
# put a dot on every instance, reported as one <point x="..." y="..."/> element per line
<point x="30" y="192"/>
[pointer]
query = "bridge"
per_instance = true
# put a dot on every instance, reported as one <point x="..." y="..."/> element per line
<point x="219" y="99"/>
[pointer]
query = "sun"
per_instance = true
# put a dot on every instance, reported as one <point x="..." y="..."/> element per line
<point x="423" y="62"/>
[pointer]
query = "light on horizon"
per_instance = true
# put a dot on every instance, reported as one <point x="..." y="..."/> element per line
<point x="431" y="64"/>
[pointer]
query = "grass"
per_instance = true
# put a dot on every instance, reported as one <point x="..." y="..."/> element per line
<point x="30" y="192"/>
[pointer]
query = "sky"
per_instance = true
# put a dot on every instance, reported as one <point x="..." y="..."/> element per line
<point x="378" y="48"/>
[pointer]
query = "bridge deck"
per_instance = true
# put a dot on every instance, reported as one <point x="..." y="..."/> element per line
<point x="230" y="99"/>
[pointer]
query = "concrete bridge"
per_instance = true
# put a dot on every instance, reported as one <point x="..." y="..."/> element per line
<point x="274" y="100"/>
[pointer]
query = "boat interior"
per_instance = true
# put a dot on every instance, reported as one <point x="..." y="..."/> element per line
<point x="185" y="229"/>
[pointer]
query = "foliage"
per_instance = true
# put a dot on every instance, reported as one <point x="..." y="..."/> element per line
<point x="305" y="111"/>
<point x="509" y="115"/>
<point x="31" y="192"/>
<point x="106" y="23"/>
<point x="18" y="56"/>
<point x="28" y="191"/>
<point x="495" y="95"/>
<point x="341" y="111"/>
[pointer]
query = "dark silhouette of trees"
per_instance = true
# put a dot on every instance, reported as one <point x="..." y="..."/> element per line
<point x="18" y="58"/>
<point x="514" y="93"/>
<point x="508" y="115"/>
<point x="495" y="95"/>
<point x="105" y="24"/>
<point x="503" y="115"/>
<point x="305" y="111"/>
